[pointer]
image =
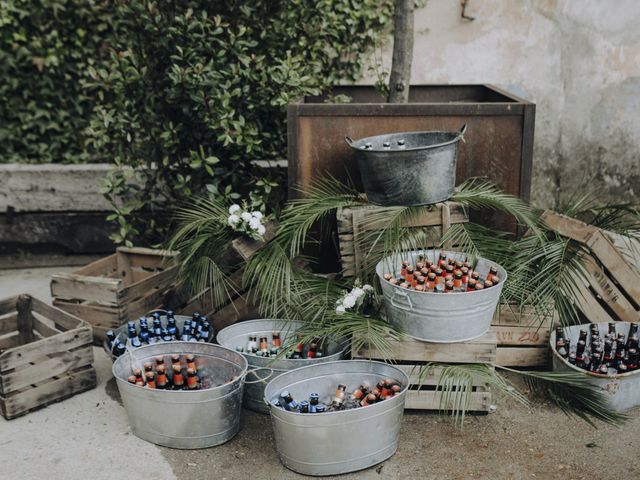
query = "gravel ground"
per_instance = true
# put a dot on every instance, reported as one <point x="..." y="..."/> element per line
<point x="87" y="436"/>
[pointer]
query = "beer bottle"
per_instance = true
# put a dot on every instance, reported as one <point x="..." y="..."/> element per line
<point x="370" y="399"/>
<point x="632" y="338"/>
<point x="414" y="279"/>
<point x="314" y="399"/>
<point x="275" y="339"/>
<point x="612" y="329"/>
<point x="165" y="335"/>
<point x="409" y="275"/>
<point x="431" y="282"/>
<point x="495" y="279"/>
<point x="424" y="272"/>
<point x="321" y="408"/>
<point x="448" y="287"/>
<point x="273" y="352"/>
<point x="622" y="368"/>
<point x="339" y="397"/>
<point x="148" y="367"/>
<point x="157" y="335"/>
<point x="133" y="337"/>
<point x="388" y="277"/>
<point x="190" y="359"/>
<point x="119" y="349"/>
<point x="264" y="345"/>
<point x="479" y="286"/>
<point x="287" y="402"/>
<point x="386" y="389"/>
<point x="572" y="358"/>
<point x="457" y="279"/>
<point x="157" y="322"/>
<point x="192" y="380"/>
<point x="360" y="392"/>
<point x="162" y="381"/>
<point x="111" y="337"/>
<point x="178" y="378"/>
<point x="560" y="343"/>
<point x="603" y="370"/>
<point x="608" y="352"/>
<point x="632" y="362"/>
<point x="132" y="379"/>
<point x="297" y="352"/>
<point x="596" y="361"/>
<point x="175" y="359"/>
<point x="144" y="333"/>
<point x="593" y="329"/>
<point x="465" y="274"/>
<point x="313" y="350"/>
<point x="239" y="349"/>
<point x="419" y="288"/>
<point x="150" y="378"/>
<point x="471" y="284"/>
<point x="303" y="406"/>
<point x="475" y="276"/>
<point x="252" y="345"/>
<point x="394" y="281"/>
<point x="172" y="328"/>
<point x="492" y="271"/>
<point x="403" y="271"/>
<point x="488" y="284"/>
<point x="138" y="374"/>
<point x="619" y="357"/>
<point x="442" y="258"/>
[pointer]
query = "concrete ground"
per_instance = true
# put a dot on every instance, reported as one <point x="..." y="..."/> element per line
<point x="87" y="436"/>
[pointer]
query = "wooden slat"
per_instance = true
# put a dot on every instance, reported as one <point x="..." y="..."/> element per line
<point x="609" y="292"/>
<point x="34" y="351"/>
<point x="66" y="320"/>
<point x="94" y="314"/>
<point x="123" y="268"/>
<point x="148" y="257"/>
<point x="520" y="336"/>
<point x="8" y="341"/>
<point x="8" y="323"/>
<point x="430" y="400"/>
<point x="425" y="219"/>
<point x="589" y="305"/>
<point x="241" y="308"/>
<point x="522" y="356"/>
<point x="153" y="299"/>
<point x="41" y="326"/>
<point x="8" y="305"/>
<point x="25" y="319"/>
<point x="246" y="247"/>
<point x="20" y="403"/>
<point x="100" y="268"/>
<point x="69" y="286"/>
<point x="138" y="275"/>
<point x="159" y="281"/>
<point x="419" y="376"/>
<point x="480" y="350"/>
<point x="58" y="364"/>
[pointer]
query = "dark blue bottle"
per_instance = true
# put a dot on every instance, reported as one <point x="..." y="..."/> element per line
<point x="157" y="334"/>
<point x="165" y="335"/>
<point x="186" y="333"/>
<point x="111" y="337"/>
<point x="144" y="333"/>
<point x="172" y="328"/>
<point x="119" y="349"/>
<point x="205" y="331"/>
<point x="133" y="337"/>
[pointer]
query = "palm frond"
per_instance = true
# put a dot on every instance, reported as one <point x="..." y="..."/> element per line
<point x="573" y="394"/>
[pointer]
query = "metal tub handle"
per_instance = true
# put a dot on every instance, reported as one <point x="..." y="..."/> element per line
<point x="348" y="139"/>
<point x="463" y="130"/>
<point x="400" y="293"/>
<point x="259" y="379"/>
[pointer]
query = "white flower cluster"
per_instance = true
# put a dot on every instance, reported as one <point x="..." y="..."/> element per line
<point x="354" y="299"/>
<point x="246" y="222"/>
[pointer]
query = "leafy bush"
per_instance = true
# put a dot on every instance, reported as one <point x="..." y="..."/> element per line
<point x="46" y="48"/>
<point x="197" y="89"/>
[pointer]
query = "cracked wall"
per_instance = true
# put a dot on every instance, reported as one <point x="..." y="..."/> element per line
<point x="578" y="60"/>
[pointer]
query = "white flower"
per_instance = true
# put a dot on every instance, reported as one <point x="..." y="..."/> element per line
<point x="254" y="223"/>
<point x="262" y="230"/>
<point x="257" y="214"/>
<point x="234" y="208"/>
<point x="357" y="292"/>
<point x="246" y="216"/>
<point x="340" y="310"/>
<point x="367" y="287"/>
<point x="233" y="220"/>
<point x="349" y="301"/>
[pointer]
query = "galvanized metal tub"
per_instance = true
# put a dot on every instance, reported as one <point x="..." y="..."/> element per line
<point x="336" y="442"/>
<point x="237" y="335"/>
<point x="623" y="390"/>
<point x="421" y="171"/>
<point x="439" y="317"/>
<point x="184" y="419"/>
<point x="121" y="331"/>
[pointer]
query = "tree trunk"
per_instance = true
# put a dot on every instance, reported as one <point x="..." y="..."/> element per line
<point x="402" y="52"/>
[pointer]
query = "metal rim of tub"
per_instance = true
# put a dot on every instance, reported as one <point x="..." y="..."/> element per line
<point x="456" y="136"/>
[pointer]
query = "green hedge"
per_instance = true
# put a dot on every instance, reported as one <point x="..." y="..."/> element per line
<point x="46" y="49"/>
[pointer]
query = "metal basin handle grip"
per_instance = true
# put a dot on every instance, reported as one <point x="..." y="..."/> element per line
<point x="401" y="307"/>
<point x="259" y="379"/>
<point x="348" y="139"/>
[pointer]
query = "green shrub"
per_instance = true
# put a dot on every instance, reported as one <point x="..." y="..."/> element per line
<point x="197" y="89"/>
<point x="46" y="48"/>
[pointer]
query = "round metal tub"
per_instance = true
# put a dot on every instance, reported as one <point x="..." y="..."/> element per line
<point x="121" y="331"/>
<point x="184" y="419"/>
<point x="420" y="172"/>
<point x="336" y="442"/>
<point x="439" y="317"/>
<point x="623" y="390"/>
<point x="237" y="335"/>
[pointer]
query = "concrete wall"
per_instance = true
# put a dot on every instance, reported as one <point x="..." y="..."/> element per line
<point x="578" y="60"/>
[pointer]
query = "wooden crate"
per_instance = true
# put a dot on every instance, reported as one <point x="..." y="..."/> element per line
<point x="611" y="289"/>
<point x="353" y="234"/>
<point x="523" y="337"/>
<point x="45" y="355"/>
<point x="412" y="356"/>
<point x="117" y="288"/>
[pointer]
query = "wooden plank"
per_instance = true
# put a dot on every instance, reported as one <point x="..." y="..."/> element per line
<point x="480" y="350"/>
<point x="159" y="281"/>
<point x="154" y="299"/>
<point x="46" y="393"/>
<point x="431" y="400"/>
<point x="138" y="275"/>
<point x="590" y="307"/>
<point x="43" y="328"/>
<point x="520" y="336"/>
<point x="100" y="268"/>
<point x="91" y="313"/>
<point x="246" y="247"/>
<point x="58" y="364"/>
<point x="522" y="356"/>
<point x="34" y="351"/>
<point x="8" y="323"/>
<point x="123" y="267"/>
<point x="8" y="305"/>
<point x="9" y="341"/>
<point x="510" y="315"/>
<point x="149" y="257"/>
<point x="431" y="376"/>
<point x="69" y="286"/>
<point x="241" y="308"/>
<point x="59" y="317"/>
<point x="425" y="219"/>
<point x="609" y="292"/>
<point x="25" y="319"/>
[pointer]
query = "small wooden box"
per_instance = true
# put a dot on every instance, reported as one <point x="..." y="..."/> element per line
<point x="118" y="288"/>
<point x="45" y="355"/>
<point x="414" y="357"/>
<point x="356" y="224"/>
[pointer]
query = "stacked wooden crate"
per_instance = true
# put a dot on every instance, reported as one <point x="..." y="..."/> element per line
<point x="415" y="358"/>
<point x="45" y="355"/>
<point x="118" y="288"/>
<point x="611" y="290"/>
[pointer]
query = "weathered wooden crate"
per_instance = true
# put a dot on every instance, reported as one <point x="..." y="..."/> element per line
<point x="523" y="337"/>
<point x="611" y="290"/>
<point x="413" y="357"/>
<point x="357" y="226"/>
<point x="45" y="355"/>
<point x="117" y="288"/>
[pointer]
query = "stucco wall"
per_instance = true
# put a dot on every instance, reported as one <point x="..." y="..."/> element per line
<point x="578" y="60"/>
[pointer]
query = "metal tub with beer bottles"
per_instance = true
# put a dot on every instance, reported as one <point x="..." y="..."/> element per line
<point x="186" y="419"/>
<point x="333" y="443"/>
<point x="237" y="335"/>
<point x="439" y="317"/>
<point x="622" y="390"/>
